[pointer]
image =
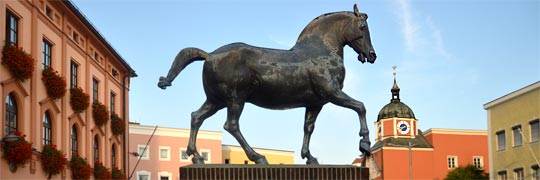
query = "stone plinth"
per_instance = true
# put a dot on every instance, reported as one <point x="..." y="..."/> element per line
<point x="237" y="171"/>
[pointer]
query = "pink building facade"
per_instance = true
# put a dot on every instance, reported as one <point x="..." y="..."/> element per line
<point x="56" y="35"/>
<point x="166" y="151"/>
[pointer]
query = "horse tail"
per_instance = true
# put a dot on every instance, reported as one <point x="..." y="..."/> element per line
<point x="184" y="58"/>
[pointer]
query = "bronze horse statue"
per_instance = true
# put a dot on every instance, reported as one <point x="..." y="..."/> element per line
<point x="308" y="75"/>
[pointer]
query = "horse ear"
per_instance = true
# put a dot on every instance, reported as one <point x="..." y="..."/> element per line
<point x="356" y="12"/>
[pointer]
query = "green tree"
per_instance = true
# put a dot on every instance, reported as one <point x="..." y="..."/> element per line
<point x="467" y="172"/>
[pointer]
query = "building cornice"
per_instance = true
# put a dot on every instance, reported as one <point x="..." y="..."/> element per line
<point x="91" y="27"/>
<point x="512" y="95"/>
<point x="455" y="131"/>
<point x="226" y="147"/>
<point x="173" y="132"/>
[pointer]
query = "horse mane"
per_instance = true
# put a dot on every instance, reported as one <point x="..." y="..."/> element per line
<point x="319" y="19"/>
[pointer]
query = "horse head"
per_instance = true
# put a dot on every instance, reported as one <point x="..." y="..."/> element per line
<point x="358" y="37"/>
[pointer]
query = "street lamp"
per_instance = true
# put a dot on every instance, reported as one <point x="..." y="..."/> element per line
<point x="409" y="146"/>
<point x="10" y="138"/>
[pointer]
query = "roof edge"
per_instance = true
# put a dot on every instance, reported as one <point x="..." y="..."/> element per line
<point x="512" y="95"/>
<point x="90" y="26"/>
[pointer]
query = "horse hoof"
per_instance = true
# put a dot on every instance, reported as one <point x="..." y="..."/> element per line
<point x="196" y="160"/>
<point x="365" y="147"/>
<point x="261" y="160"/>
<point x="163" y="83"/>
<point x="312" y="161"/>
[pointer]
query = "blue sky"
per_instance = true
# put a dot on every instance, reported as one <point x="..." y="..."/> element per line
<point x="451" y="56"/>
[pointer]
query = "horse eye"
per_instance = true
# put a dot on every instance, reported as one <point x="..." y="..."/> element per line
<point x="363" y="24"/>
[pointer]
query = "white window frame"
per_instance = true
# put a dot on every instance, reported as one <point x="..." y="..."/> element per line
<point x="517" y="172"/>
<point x="518" y="134"/>
<point x="164" y="174"/>
<point x="531" y="130"/>
<point x="481" y="158"/>
<point x="503" y="132"/>
<point x="139" y="173"/>
<point x="455" y="161"/>
<point x="168" y="158"/>
<point x="147" y="157"/>
<point x="209" y="159"/>
<point x="184" y="160"/>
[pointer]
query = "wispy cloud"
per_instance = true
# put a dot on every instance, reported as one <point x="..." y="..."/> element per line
<point x="420" y="36"/>
<point x="408" y="27"/>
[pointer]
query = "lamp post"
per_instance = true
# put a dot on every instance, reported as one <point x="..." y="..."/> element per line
<point x="10" y="138"/>
<point x="409" y="146"/>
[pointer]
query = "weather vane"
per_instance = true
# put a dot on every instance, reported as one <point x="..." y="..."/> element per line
<point x="394" y="72"/>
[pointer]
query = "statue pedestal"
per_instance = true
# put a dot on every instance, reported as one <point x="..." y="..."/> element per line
<point x="244" y="171"/>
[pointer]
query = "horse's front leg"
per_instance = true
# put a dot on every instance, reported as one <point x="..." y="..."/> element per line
<point x="309" y="125"/>
<point x="339" y="98"/>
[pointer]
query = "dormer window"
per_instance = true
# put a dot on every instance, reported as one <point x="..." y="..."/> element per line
<point x="48" y="12"/>
<point x="76" y="37"/>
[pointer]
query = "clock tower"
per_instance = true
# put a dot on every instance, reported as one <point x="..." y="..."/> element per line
<point x="396" y="119"/>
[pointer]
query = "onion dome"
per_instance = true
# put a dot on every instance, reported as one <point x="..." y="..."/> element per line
<point x="395" y="109"/>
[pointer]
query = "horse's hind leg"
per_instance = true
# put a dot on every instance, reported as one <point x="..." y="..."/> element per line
<point x="309" y="125"/>
<point x="197" y="118"/>
<point x="231" y="125"/>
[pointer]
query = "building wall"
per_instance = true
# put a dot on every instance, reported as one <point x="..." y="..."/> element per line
<point x="30" y="95"/>
<point x="464" y="144"/>
<point x="517" y="108"/>
<point x="176" y="140"/>
<point x="395" y="163"/>
<point x="236" y="155"/>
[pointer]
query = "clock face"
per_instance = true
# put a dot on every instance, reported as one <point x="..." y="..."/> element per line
<point x="403" y="127"/>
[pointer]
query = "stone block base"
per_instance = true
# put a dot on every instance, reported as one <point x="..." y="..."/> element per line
<point x="237" y="171"/>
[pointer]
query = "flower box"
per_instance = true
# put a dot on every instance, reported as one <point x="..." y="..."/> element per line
<point x="53" y="160"/>
<point x="19" y="63"/>
<point x="18" y="152"/>
<point x="54" y="84"/>
<point x="117" y="124"/>
<point x="79" y="100"/>
<point x="101" y="172"/>
<point x="117" y="174"/>
<point x="79" y="168"/>
<point x="99" y="113"/>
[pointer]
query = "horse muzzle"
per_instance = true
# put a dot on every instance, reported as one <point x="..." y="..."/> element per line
<point x="362" y="57"/>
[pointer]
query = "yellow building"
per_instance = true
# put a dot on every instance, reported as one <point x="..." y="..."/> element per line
<point x="235" y="155"/>
<point x="514" y="139"/>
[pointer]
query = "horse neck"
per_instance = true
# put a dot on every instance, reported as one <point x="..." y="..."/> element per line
<point x="327" y="28"/>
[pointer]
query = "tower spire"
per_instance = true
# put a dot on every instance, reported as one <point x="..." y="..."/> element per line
<point x="395" y="88"/>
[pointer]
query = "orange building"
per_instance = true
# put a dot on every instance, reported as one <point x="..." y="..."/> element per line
<point x="402" y="151"/>
<point x="56" y="35"/>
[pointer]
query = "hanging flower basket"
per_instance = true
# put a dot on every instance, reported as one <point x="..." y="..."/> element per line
<point x="55" y="85"/>
<point x="100" y="113"/>
<point x="19" y="152"/>
<point x="101" y="172"/>
<point x="79" y="100"/>
<point x="53" y="160"/>
<point x="19" y="63"/>
<point x="117" y="174"/>
<point x="117" y="124"/>
<point x="79" y="168"/>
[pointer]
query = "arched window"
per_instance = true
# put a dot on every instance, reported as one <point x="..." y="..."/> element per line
<point x="96" y="149"/>
<point x="11" y="113"/>
<point x="74" y="141"/>
<point x="113" y="156"/>
<point x="47" y="129"/>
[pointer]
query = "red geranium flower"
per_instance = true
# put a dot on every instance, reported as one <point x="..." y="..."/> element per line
<point x="19" y="63"/>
